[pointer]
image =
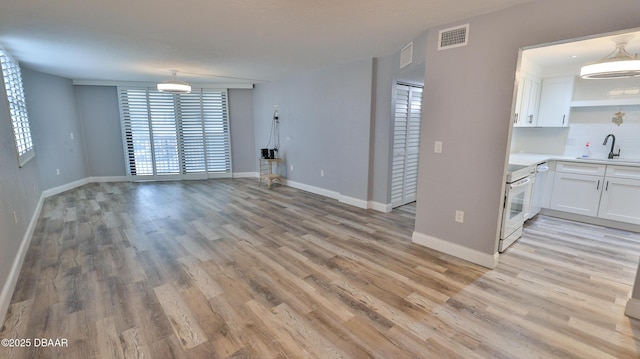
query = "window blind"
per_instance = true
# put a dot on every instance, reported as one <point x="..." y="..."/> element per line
<point x="181" y="136"/>
<point x="17" y="107"/>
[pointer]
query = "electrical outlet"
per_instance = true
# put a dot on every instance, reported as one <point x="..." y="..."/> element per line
<point x="291" y="168"/>
<point x="58" y="171"/>
<point x="437" y="147"/>
<point x="459" y="216"/>
<point x="321" y="173"/>
<point x="71" y="135"/>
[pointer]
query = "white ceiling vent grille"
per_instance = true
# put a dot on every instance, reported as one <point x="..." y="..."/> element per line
<point x="453" y="37"/>
<point x="406" y="55"/>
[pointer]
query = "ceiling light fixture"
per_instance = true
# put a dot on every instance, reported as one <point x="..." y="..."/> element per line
<point x="173" y="85"/>
<point x="618" y="64"/>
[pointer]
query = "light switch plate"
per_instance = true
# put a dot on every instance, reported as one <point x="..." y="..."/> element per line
<point x="437" y="147"/>
<point x="459" y="216"/>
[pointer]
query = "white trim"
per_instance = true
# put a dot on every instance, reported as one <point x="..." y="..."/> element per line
<point x="313" y="189"/>
<point x="633" y="308"/>
<point x="106" y="179"/>
<point x="381" y="207"/>
<point x="65" y="187"/>
<point x="353" y="201"/>
<point x="16" y="267"/>
<point x="194" y="86"/>
<point x="245" y="175"/>
<point x="75" y="184"/>
<point x="456" y="250"/>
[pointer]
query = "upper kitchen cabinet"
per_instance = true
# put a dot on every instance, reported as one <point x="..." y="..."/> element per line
<point x="555" y="102"/>
<point x="527" y="100"/>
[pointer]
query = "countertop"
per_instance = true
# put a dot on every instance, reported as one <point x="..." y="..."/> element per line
<point x="531" y="159"/>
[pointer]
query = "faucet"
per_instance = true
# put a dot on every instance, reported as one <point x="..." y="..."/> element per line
<point x="612" y="155"/>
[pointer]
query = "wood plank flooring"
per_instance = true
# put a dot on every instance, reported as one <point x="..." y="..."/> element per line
<point x="226" y="269"/>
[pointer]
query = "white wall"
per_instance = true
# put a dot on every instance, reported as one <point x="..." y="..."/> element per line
<point x="242" y="134"/>
<point x="325" y="123"/>
<point x="100" y="117"/>
<point x="387" y="72"/>
<point x="54" y="117"/>
<point x="468" y="101"/>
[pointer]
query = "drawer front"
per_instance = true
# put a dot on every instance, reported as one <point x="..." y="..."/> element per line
<point x="592" y="169"/>
<point x="623" y="172"/>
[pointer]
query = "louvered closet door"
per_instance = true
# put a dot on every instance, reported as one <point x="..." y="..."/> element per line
<point x="406" y="144"/>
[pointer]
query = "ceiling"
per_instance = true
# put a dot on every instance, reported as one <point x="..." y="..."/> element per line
<point x="572" y="54"/>
<point x="239" y="41"/>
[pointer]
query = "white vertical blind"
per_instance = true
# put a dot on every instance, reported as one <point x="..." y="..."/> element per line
<point x="17" y="107"/>
<point x="175" y="136"/>
<point x="406" y="144"/>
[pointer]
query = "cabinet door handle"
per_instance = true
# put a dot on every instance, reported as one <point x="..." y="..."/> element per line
<point x="598" y="186"/>
<point x="563" y="117"/>
<point x="607" y="187"/>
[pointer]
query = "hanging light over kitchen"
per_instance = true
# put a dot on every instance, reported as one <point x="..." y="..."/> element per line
<point x="173" y="85"/>
<point x="619" y="64"/>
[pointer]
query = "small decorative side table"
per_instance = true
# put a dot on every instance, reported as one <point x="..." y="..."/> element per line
<point x="268" y="173"/>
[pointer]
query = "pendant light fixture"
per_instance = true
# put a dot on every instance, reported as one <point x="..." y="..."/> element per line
<point x="173" y="85"/>
<point x="619" y="64"/>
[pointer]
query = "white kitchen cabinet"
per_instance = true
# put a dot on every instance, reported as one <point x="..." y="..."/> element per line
<point x="527" y="100"/>
<point x="555" y="102"/>
<point x="621" y="195"/>
<point x="597" y="190"/>
<point x="576" y="193"/>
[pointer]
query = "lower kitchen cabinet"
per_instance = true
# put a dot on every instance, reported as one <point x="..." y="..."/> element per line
<point x="576" y="193"/>
<point x="609" y="192"/>
<point x="620" y="200"/>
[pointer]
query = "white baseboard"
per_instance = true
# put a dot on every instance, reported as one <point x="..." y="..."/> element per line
<point x="354" y="201"/>
<point x="327" y="193"/>
<point x="14" y="274"/>
<point x="633" y="308"/>
<point x="456" y="250"/>
<point x="65" y="187"/>
<point x="313" y="189"/>
<point x="245" y="174"/>
<point x="380" y="207"/>
<point x="106" y="179"/>
<point x="75" y="184"/>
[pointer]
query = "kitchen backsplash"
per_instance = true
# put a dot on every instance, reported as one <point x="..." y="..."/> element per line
<point x="593" y="124"/>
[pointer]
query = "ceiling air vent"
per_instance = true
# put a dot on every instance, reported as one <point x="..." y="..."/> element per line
<point x="453" y="37"/>
<point x="406" y="55"/>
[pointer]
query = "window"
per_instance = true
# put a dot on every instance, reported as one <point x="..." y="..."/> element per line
<point x="183" y="136"/>
<point x="17" y="107"/>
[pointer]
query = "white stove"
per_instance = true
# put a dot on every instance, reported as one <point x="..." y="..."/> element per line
<point x="517" y="196"/>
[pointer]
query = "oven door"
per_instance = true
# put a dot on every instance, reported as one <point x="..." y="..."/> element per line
<point x="517" y="200"/>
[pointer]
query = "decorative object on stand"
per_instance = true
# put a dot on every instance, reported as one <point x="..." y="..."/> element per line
<point x="173" y="85"/>
<point x="617" y="118"/>
<point x="618" y="64"/>
<point x="274" y="136"/>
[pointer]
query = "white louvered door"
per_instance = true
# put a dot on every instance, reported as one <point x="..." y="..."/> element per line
<point x="406" y="144"/>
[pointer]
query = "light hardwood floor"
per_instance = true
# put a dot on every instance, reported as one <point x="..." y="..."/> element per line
<point x="226" y="269"/>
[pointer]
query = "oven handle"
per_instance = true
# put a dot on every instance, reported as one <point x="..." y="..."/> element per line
<point x="520" y="183"/>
